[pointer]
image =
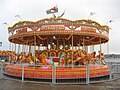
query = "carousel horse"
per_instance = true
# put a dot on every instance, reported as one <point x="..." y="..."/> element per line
<point x="19" y="57"/>
<point x="93" y="58"/>
<point x="79" y="61"/>
<point x="26" y="58"/>
<point x="30" y="60"/>
<point x="37" y="59"/>
<point x="69" y="58"/>
<point x="78" y="58"/>
<point x="43" y="59"/>
<point x="85" y="57"/>
<point x="101" y="57"/>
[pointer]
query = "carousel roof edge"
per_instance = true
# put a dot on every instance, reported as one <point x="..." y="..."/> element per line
<point x="58" y="20"/>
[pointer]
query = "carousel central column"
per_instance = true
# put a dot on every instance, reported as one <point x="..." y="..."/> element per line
<point x="57" y="44"/>
<point x="18" y="48"/>
<point x="64" y="44"/>
<point x="22" y="48"/>
<point x="15" y="48"/>
<point x="30" y="49"/>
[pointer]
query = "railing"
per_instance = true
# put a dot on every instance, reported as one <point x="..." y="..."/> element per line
<point x="55" y="75"/>
<point x="0" y="70"/>
<point x="115" y="71"/>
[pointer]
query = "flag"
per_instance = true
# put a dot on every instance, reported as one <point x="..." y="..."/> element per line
<point x="18" y="16"/>
<point x="5" y="23"/>
<point x="52" y="10"/>
<point x="92" y="13"/>
<point x="111" y="21"/>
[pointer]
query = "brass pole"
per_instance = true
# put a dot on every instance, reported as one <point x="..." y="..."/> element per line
<point x="72" y="51"/>
<point x="83" y="43"/>
<point x="34" y="48"/>
<point x="57" y="44"/>
<point x="100" y="49"/>
<point x="18" y="51"/>
<point x="100" y="45"/>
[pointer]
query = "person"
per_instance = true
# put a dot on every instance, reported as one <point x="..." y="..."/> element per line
<point x="62" y="62"/>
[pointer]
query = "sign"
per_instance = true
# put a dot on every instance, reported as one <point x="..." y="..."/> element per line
<point x="88" y="29"/>
<point x="22" y="30"/>
<point x="52" y="27"/>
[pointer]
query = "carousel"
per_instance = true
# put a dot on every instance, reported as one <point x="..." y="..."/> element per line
<point x="58" y="42"/>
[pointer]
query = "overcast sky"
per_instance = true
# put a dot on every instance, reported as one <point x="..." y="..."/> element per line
<point x="105" y="10"/>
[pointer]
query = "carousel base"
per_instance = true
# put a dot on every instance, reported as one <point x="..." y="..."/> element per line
<point x="62" y="73"/>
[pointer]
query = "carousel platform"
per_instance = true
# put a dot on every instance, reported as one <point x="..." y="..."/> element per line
<point x="46" y="72"/>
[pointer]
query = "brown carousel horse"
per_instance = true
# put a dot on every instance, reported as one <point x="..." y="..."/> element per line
<point x="43" y="58"/>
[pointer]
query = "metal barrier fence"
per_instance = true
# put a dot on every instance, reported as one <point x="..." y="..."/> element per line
<point x="0" y="71"/>
<point x="55" y="75"/>
<point x="71" y="75"/>
<point x="37" y="73"/>
<point x="115" y="71"/>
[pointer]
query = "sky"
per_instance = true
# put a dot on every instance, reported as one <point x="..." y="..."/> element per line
<point x="34" y="10"/>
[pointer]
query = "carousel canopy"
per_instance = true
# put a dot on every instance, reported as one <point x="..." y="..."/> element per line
<point x="58" y="31"/>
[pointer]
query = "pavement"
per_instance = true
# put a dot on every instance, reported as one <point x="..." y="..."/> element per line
<point x="11" y="84"/>
<point x="6" y="84"/>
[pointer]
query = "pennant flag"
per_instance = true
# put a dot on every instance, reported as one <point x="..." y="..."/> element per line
<point x="18" y="16"/>
<point x="92" y="13"/>
<point x="52" y="10"/>
<point x="4" y="23"/>
<point x="111" y="21"/>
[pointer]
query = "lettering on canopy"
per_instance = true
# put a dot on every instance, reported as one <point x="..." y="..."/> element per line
<point x="52" y="27"/>
<point x="88" y="29"/>
<point x="22" y="30"/>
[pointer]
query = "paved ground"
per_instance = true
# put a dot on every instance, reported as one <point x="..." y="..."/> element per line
<point x="18" y="85"/>
<point x="6" y="84"/>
